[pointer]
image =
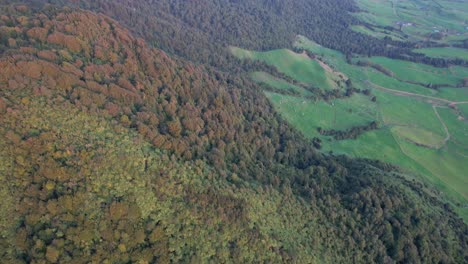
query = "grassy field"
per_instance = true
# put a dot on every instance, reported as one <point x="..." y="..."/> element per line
<point x="419" y="136"/>
<point x="420" y="19"/>
<point x="297" y="66"/>
<point x="453" y="94"/>
<point x="417" y="128"/>
<point x="422" y="73"/>
<point x="464" y="109"/>
<point x="447" y="52"/>
<point x="278" y="83"/>
<point x="307" y="116"/>
<point x="458" y="129"/>
<point x="407" y="111"/>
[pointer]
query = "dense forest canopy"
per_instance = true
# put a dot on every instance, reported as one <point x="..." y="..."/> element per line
<point x="114" y="151"/>
<point x="201" y="30"/>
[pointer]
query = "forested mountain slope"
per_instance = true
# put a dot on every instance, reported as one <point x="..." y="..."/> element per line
<point x="201" y="30"/>
<point x="112" y="151"/>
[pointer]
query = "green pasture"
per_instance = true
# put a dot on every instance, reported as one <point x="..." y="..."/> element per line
<point x="338" y="114"/>
<point x="419" y="136"/>
<point x="464" y="109"/>
<point x="445" y="162"/>
<point x="406" y="111"/>
<point x="422" y="73"/>
<point x="458" y="128"/>
<point x="446" y="52"/>
<point x="305" y="43"/>
<point x="453" y="94"/>
<point x="410" y="135"/>
<point x="420" y="18"/>
<point x="297" y="66"/>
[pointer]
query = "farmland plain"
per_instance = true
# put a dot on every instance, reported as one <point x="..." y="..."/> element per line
<point x="444" y="52"/>
<point x="443" y="21"/>
<point x="420" y="129"/>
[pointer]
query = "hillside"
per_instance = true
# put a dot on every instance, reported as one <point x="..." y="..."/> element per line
<point x="115" y="152"/>
<point x="201" y="30"/>
<point x="405" y="113"/>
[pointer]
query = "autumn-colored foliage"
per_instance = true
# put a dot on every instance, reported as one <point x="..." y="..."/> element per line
<point x="38" y="33"/>
<point x="2" y="106"/>
<point x="71" y="43"/>
<point x="114" y="152"/>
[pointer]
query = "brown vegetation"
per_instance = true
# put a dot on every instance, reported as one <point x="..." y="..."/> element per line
<point x="112" y="151"/>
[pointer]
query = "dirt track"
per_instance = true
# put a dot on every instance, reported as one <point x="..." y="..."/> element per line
<point x="431" y="99"/>
<point x="435" y="101"/>
<point x="447" y="138"/>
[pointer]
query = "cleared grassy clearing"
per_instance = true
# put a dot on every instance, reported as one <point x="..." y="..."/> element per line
<point x="334" y="59"/>
<point x="453" y="94"/>
<point x="421" y="73"/>
<point x="464" y="109"/>
<point x="419" y="136"/>
<point x="378" y="12"/>
<point x="305" y="43"/>
<point x="456" y="39"/>
<point x="297" y="66"/>
<point x="417" y="19"/>
<point x="443" y="95"/>
<point x="404" y="111"/>
<point x="378" y="144"/>
<point x="448" y="52"/>
<point x="381" y="79"/>
<point x="416" y="126"/>
<point x="458" y="128"/>
<point x="307" y="116"/>
<point x="360" y="74"/>
<point x="270" y="80"/>
<point x="444" y="162"/>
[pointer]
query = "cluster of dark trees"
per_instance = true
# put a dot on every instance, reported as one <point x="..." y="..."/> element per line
<point x="201" y="30"/>
<point x="319" y="94"/>
<point x="351" y="133"/>
<point x="211" y="25"/>
<point x="328" y="95"/>
<point x="219" y="123"/>
<point x="463" y="44"/>
<point x="376" y="66"/>
<point x="436" y="62"/>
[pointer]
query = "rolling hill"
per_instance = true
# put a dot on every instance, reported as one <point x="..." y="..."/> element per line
<point x="114" y="151"/>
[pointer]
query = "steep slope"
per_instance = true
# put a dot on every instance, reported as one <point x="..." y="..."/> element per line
<point x="201" y="30"/>
<point x="114" y="151"/>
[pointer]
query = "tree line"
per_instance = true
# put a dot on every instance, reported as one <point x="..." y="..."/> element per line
<point x="106" y="141"/>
